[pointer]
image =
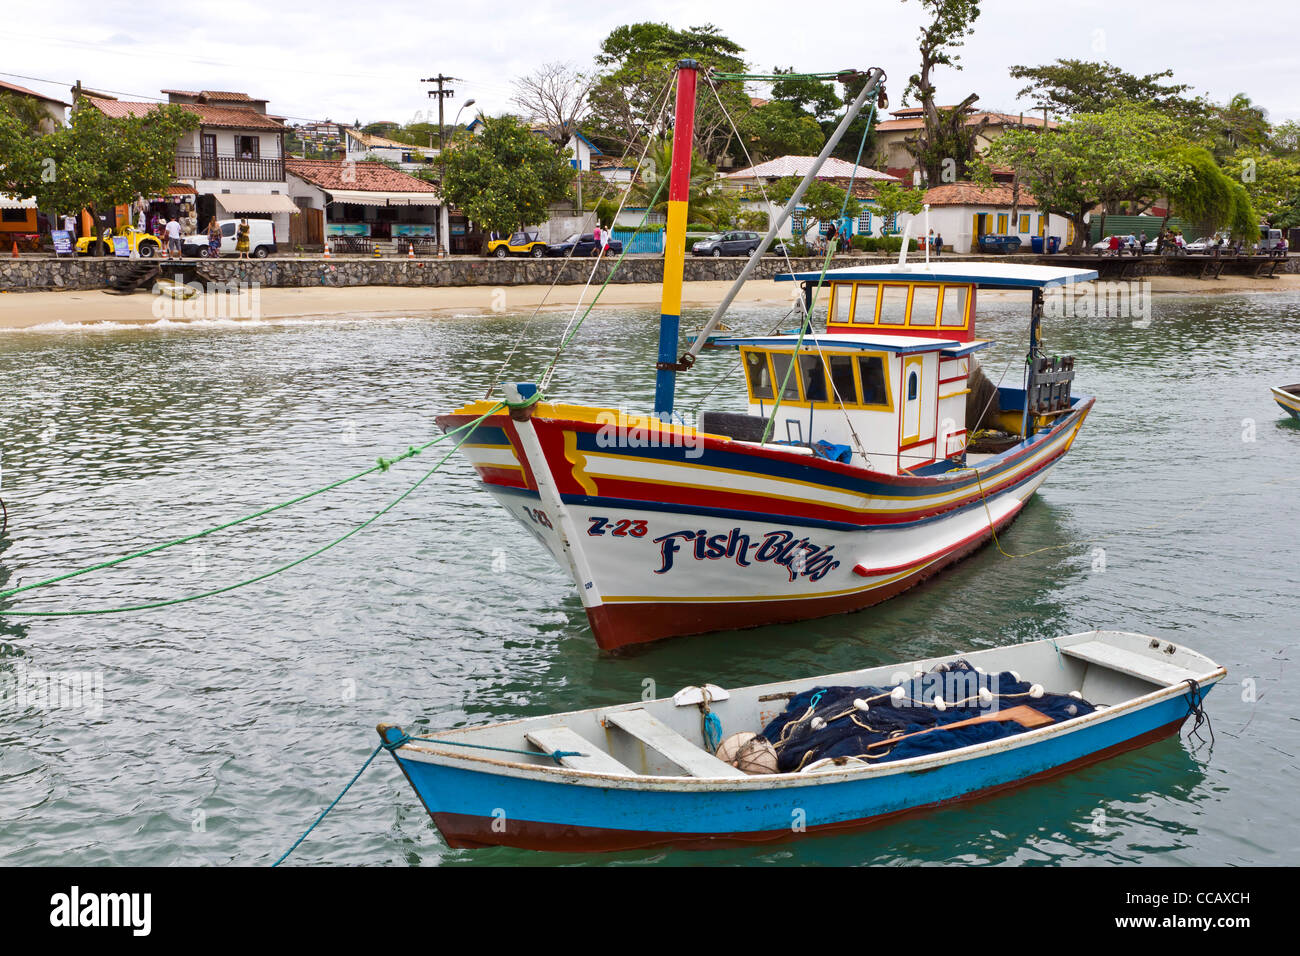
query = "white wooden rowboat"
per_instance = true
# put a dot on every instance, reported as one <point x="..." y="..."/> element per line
<point x="641" y="774"/>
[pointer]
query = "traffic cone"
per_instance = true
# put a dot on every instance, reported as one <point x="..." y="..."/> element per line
<point x="410" y="250"/>
<point x="15" y="252"/>
<point x="327" y="250"/>
<point x="376" y="250"/>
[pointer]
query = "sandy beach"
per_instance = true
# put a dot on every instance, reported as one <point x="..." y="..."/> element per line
<point x="27" y="310"/>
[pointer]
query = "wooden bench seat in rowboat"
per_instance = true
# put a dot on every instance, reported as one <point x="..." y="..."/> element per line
<point x="1164" y="673"/>
<point x="662" y="739"/>
<point x="591" y="758"/>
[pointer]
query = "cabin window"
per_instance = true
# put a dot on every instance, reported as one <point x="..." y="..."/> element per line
<point x="893" y="305"/>
<point x="813" y="377"/>
<point x="871" y="369"/>
<point x="1024" y="223"/>
<point x="1002" y="224"/>
<point x="864" y="304"/>
<point x="954" y="306"/>
<point x="781" y="366"/>
<point x="911" y="387"/>
<point x="841" y="300"/>
<point x="925" y="305"/>
<point x="845" y="388"/>
<point x="760" y="376"/>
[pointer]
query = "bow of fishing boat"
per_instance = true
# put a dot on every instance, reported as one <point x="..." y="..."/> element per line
<point x="645" y="773"/>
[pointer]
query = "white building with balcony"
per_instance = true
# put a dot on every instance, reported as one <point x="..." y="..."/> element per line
<point x="233" y="161"/>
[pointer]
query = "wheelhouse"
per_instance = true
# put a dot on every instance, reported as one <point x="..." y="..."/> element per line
<point x="886" y="386"/>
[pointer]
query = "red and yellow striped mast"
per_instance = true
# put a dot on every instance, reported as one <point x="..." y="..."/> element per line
<point x="679" y="187"/>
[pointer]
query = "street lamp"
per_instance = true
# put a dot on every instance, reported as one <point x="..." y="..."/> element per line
<point x="442" y="180"/>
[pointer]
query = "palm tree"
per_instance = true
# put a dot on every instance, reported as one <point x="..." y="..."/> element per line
<point x="708" y="203"/>
<point x="27" y="111"/>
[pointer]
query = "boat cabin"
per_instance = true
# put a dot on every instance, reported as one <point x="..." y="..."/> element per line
<point x="886" y="385"/>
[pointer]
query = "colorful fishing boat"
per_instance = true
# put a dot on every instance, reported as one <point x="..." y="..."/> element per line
<point x="1288" y="396"/>
<point x="653" y="773"/>
<point x="852" y="475"/>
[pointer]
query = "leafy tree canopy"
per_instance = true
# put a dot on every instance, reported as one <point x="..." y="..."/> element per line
<point x="822" y="202"/>
<point x="1081" y="86"/>
<point x="780" y="128"/>
<point x="98" y="162"/>
<point x="505" y="177"/>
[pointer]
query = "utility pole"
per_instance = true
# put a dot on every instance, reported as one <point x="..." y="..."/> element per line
<point x="442" y="93"/>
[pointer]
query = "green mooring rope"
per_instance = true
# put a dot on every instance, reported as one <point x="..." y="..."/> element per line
<point x="383" y="465"/>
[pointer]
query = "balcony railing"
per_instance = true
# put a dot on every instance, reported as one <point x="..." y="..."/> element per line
<point x="196" y="166"/>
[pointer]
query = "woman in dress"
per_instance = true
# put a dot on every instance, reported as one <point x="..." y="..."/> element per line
<point x="241" y="241"/>
<point x="214" y="238"/>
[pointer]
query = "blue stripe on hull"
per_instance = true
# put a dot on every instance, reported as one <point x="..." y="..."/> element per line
<point x="719" y="811"/>
<point x="765" y="516"/>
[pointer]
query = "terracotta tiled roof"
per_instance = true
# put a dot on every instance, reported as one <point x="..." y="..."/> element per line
<point x="973" y="194"/>
<point x="232" y="117"/>
<point x="15" y="88"/>
<point x="363" y="176"/>
<point x="799" y="166"/>
<point x="182" y="92"/>
<point x="228" y="96"/>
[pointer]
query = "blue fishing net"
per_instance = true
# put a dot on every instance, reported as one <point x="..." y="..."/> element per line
<point x="830" y="722"/>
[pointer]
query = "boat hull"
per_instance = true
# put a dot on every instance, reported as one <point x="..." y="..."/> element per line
<point x="1288" y="399"/>
<point x="671" y="540"/>
<point x="474" y="809"/>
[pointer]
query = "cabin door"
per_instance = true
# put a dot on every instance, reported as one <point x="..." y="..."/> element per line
<point x="918" y="396"/>
<point x="913" y="366"/>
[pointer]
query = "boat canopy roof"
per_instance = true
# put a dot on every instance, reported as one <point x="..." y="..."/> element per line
<point x="991" y="275"/>
<point x="870" y="343"/>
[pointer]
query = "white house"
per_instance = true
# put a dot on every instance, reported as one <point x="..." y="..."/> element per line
<point x="961" y="212"/>
<point x="756" y="181"/>
<point x="233" y="163"/>
<point x="361" y="146"/>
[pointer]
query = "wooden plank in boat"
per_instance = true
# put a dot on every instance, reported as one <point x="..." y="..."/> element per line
<point x="593" y="758"/>
<point x="1164" y="673"/>
<point x="661" y="738"/>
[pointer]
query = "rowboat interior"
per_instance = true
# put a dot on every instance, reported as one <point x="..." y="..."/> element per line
<point x="1130" y="689"/>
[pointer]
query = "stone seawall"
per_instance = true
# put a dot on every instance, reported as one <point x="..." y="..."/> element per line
<point x="48" y="272"/>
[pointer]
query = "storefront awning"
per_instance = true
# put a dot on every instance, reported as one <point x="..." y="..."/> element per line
<point x="9" y="202"/>
<point x="255" y="203"/>
<point x="367" y="197"/>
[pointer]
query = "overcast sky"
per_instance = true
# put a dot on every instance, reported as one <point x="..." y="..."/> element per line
<point x="350" y="60"/>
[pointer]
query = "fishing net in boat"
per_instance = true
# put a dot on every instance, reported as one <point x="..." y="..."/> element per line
<point x="955" y="705"/>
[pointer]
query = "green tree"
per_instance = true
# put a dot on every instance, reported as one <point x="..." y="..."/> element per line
<point x="706" y="201"/>
<point x="779" y="128"/>
<point x="1081" y="86"/>
<point x="1272" y="182"/>
<point x="1236" y="125"/>
<point x="822" y="202"/>
<point x="98" y="162"/>
<point x="1207" y="198"/>
<point x="805" y="94"/>
<point x="1127" y="153"/>
<point x="895" y="198"/>
<point x="505" y="177"/>
<point x="945" y="134"/>
<point x="27" y="112"/>
<point x="636" y="64"/>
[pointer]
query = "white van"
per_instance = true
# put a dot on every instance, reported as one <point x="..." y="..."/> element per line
<point x="261" y="238"/>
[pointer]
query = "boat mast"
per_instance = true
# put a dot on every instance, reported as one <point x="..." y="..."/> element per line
<point x="679" y="185"/>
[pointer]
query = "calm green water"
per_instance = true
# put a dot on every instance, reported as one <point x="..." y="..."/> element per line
<point x="227" y="724"/>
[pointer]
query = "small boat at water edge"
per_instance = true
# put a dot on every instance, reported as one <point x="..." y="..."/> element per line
<point x="1288" y="396"/>
<point x="648" y="773"/>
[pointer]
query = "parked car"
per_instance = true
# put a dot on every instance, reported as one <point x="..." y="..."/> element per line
<point x="583" y="244"/>
<point x="1128" y="245"/>
<point x="1271" y="242"/>
<point x="261" y="240"/>
<point x="1207" y="244"/>
<point x="144" y="244"/>
<point x="1175" y="245"/>
<point x="524" y="243"/>
<point x="727" y="244"/>
<point x="999" y="244"/>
